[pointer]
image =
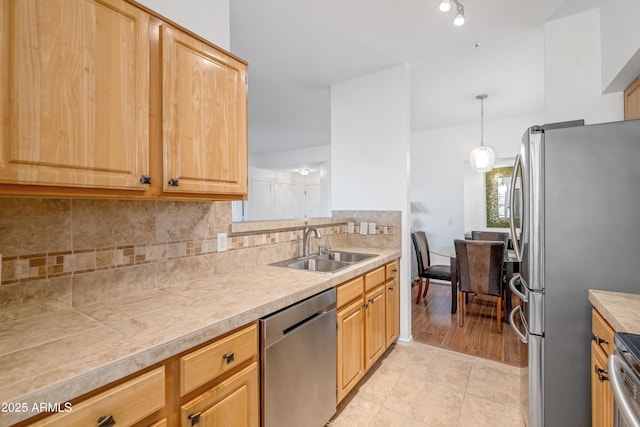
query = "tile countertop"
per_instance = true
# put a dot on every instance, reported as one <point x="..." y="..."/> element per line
<point x="621" y="310"/>
<point x="60" y="355"/>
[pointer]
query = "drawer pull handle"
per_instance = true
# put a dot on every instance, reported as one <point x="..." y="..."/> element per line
<point x="174" y="182"/>
<point x="195" y="418"/>
<point x="599" y="340"/>
<point x="106" y="421"/>
<point x="229" y="357"/>
<point x="371" y="300"/>
<point x="145" y="179"/>
<point x="601" y="373"/>
<point x="365" y="305"/>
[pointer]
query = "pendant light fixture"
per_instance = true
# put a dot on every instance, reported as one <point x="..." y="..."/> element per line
<point x="482" y="158"/>
<point x="445" y="6"/>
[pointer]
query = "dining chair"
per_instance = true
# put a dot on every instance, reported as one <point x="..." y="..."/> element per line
<point x="426" y="271"/>
<point x="491" y="235"/>
<point x="479" y="265"/>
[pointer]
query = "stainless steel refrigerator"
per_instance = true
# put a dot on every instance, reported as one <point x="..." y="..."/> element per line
<point x="579" y="229"/>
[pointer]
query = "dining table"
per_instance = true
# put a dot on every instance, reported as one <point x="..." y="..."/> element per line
<point x="511" y="264"/>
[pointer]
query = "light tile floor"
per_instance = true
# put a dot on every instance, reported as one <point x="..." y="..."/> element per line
<point x="423" y="385"/>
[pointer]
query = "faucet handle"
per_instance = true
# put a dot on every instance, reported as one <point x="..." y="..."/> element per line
<point x="324" y="249"/>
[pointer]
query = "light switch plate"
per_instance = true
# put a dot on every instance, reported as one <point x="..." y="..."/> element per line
<point x="372" y="228"/>
<point x="350" y="227"/>
<point x="222" y="242"/>
<point x="363" y="228"/>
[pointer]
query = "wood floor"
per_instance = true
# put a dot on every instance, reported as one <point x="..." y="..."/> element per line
<point x="433" y="323"/>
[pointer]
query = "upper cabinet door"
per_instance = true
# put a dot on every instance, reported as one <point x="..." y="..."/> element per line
<point x="204" y="115"/>
<point x="74" y="91"/>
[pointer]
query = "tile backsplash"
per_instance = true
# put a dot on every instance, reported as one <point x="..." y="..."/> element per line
<point x="60" y="253"/>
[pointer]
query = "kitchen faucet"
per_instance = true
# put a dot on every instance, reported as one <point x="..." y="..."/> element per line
<point x="305" y="238"/>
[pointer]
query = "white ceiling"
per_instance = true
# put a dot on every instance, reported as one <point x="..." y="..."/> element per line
<point x="296" y="49"/>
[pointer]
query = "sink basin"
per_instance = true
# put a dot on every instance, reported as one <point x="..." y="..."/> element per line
<point x="318" y="264"/>
<point x="326" y="263"/>
<point x="350" y="257"/>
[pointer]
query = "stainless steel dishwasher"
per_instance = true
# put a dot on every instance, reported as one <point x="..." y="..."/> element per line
<point x="298" y="363"/>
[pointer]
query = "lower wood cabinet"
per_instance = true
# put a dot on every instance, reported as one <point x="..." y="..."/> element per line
<point x="601" y="394"/>
<point x="125" y="404"/>
<point x="210" y="362"/>
<point x="368" y="318"/>
<point x="392" y="292"/>
<point x="350" y="347"/>
<point x="233" y="402"/>
<point x="375" y="323"/>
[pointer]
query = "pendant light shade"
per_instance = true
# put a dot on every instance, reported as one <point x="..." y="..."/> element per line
<point x="445" y="6"/>
<point x="482" y="157"/>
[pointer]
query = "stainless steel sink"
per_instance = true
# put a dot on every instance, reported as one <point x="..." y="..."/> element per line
<point x="322" y="265"/>
<point x="350" y="257"/>
<point x="326" y="263"/>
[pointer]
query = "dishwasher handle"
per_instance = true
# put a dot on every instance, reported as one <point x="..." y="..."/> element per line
<point x="301" y="323"/>
<point x="277" y="326"/>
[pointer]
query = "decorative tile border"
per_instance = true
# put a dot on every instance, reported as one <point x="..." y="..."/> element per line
<point x="29" y="267"/>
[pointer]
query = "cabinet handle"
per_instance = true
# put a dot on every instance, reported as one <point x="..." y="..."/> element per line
<point x="390" y="288"/>
<point x="395" y="270"/>
<point x="106" y="421"/>
<point x="195" y="418"/>
<point x="173" y="182"/>
<point x="601" y="373"/>
<point x="145" y="179"/>
<point x="371" y="301"/>
<point x="365" y="305"/>
<point x="230" y="357"/>
<point x="599" y="340"/>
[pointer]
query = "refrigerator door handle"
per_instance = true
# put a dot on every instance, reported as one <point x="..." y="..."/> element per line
<point x="515" y="290"/>
<point x="524" y="336"/>
<point x="512" y="192"/>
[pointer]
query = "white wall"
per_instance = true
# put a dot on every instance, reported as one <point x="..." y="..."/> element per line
<point x="573" y="83"/>
<point x="209" y="19"/>
<point x="620" y="43"/>
<point x="447" y="197"/>
<point x="370" y="143"/>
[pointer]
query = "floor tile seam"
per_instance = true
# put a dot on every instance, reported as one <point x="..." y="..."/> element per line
<point x="498" y="401"/>
<point x="404" y="415"/>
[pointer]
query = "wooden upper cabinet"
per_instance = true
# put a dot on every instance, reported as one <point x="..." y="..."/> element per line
<point x="632" y="100"/>
<point x="204" y="117"/>
<point x="74" y="91"/>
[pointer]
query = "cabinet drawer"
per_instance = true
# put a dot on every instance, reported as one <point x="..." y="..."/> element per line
<point x="235" y="402"/>
<point x="602" y="332"/>
<point x="374" y="278"/>
<point x="392" y="270"/>
<point x="205" y="364"/>
<point x="349" y="291"/>
<point x="127" y="403"/>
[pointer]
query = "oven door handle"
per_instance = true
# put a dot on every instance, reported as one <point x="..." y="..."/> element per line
<point x="616" y="365"/>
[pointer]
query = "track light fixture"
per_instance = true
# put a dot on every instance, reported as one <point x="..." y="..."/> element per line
<point x="445" y="6"/>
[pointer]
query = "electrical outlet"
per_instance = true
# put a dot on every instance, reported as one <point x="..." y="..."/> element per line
<point x="222" y="242"/>
<point x="372" y="228"/>
<point x="350" y="227"/>
<point x="363" y="228"/>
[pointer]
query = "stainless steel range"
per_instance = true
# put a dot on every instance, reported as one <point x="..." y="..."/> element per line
<point x="624" y="374"/>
